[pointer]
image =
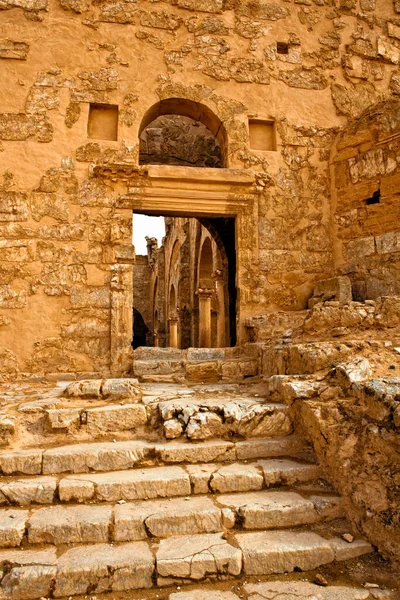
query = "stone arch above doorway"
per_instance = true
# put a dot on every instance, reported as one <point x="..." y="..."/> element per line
<point x="182" y="132"/>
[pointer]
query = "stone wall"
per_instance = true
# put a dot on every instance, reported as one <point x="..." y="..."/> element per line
<point x="81" y="79"/>
<point x="366" y="201"/>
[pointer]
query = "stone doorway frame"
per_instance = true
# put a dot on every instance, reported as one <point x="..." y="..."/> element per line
<point x="184" y="192"/>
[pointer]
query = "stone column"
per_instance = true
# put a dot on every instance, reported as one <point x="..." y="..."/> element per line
<point x="121" y="319"/>
<point x="173" y="332"/>
<point x="156" y="339"/>
<point x="218" y="276"/>
<point x="204" y="296"/>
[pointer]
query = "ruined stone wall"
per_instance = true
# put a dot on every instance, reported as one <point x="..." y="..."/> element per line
<point x="366" y="200"/>
<point x="78" y="78"/>
<point x="142" y="301"/>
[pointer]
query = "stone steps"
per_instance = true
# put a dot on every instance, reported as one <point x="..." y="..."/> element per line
<point x="125" y="522"/>
<point x="107" y="456"/>
<point x="50" y="572"/>
<point x="154" y="412"/>
<point x="157" y="482"/>
<point x="195" y="365"/>
<point x="135" y="514"/>
<point x="285" y="590"/>
<point x="192" y="418"/>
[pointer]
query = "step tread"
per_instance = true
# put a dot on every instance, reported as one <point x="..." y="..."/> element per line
<point x="104" y="567"/>
<point x="156" y="481"/>
<point x="95" y="523"/>
<point x="107" y="456"/>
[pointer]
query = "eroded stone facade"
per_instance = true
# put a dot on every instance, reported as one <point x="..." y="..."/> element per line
<point x="83" y="80"/>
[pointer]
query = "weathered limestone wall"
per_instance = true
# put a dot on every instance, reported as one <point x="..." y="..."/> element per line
<point x="366" y="200"/>
<point x="141" y="291"/>
<point x="65" y="248"/>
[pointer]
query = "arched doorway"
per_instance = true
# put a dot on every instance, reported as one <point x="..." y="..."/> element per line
<point x="140" y="330"/>
<point x="177" y="131"/>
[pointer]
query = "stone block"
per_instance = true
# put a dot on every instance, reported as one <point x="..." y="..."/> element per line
<point x="259" y="448"/>
<point x="116" y="418"/>
<point x="285" y="471"/>
<point x="139" y="484"/>
<point x="265" y="421"/>
<point x="389" y="52"/>
<point x="270" y="510"/>
<point x="172" y="429"/>
<point x="118" y="389"/>
<point x="166" y="518"/>
<point x="345" y="551"/>
<point x="200" y="452"/>
<point x="106" y="456"/>
<point x="27" y="462"/>
<point x="388" y="242"/>
<point x="204" y="425"/>
<point x="200" y="476"/>
<point x="203" y="595"/>
<point x="64" y="418"/>
<point x="29" y="581"/>
<point x="273" y="552"/>
<point x="146" y="353"/>
<point x="202" y="372"/>
<point x="198" y="556"/>
<point x="71" y="490"/>
<point x="205" y="354"/>
<point x="70" y="525"/>
<point x="100" y="568"/>
<point x="303" y="590"/>
<point x="89" y="388"/>
<point x="237" y="478"/>
<point x="12" y="526"/>
<point x="335" y="288"/>
<point x="356" y="250"/>
<point x="11" y="49"/>
<point x="40" y="490"/>
<point x="358" y="370"/>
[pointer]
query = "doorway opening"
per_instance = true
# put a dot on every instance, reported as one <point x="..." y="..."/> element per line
<point x="187" y="284"/>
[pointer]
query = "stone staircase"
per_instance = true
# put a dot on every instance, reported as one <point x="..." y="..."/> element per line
<point x="135" y="510"/>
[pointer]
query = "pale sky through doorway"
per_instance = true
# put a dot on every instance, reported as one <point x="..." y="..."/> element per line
<point x="144" y="225"/>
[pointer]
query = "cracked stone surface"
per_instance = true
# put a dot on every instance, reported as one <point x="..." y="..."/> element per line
<point x="102" y="568"/>
<point x="237" y="478"/>
<point x="12" y="526"/>
<point x="286" y="471"/>
<point x="116" y="418"/>
<point x="30" y="491"/>
<point x="166" y="518"/>
<point x="302" y="590"/>
<point x="268" y="510"/>
<point x="137" y="484"/>
<point x="70" y="524"/>
<point x="195" y="557"/>
<point x="269" y="552"/>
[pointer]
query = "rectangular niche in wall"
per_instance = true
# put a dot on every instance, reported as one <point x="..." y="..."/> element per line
<point x="103" y="122"/>
<point x="262" y="135"/>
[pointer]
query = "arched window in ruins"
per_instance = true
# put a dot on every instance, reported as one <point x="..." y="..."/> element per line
<point x="206" y="265"/>
<point x="182" y="132"/>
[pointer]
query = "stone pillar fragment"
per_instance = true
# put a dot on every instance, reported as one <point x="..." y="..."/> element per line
<point x="218" y="276"/>
<point x="173" y="332"/>
<point x="205" y="296"/>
